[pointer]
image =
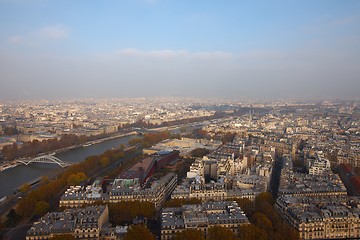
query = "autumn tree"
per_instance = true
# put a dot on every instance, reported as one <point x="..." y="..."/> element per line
<point x="228" y="137"/>
<point x="104" y="161"/>
<point x="125" y="212"/>
<point x="41" y="208"/>
<point x="44" y="180"/>
<point x="25" y="188"/>
<point x="199" y="152"/>
<point x="252" y="232"/>
<point x="139" y="231"/>
<point x="26" y="206"/>
<point x="12" y="218"/>
<point x="192" y="234"/>
<point x="217" y="232"/>
<point x="76" y="178"/>
<point x="200" y="133"/>
<point x="264" y="217"/>
<point x="11" y="151"/>
<point x="10" y="130"/>
<point x="180" y="202"/>
<point x="260" y="220"/>
<point x="63" y="237"/>
<point x="246" y="205"/>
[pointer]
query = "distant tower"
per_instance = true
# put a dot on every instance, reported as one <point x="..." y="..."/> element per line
<point x="250" y="118"/>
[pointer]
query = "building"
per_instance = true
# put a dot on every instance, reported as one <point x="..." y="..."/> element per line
<point x="183" y="145"/>
<point x="239" y="186"/>
<point x="82" y="223"/>
<point x="299" y="184"/>
<point x="201" y="217"/>
<point x="321" y="218"/>
<point x="318" y="165"/>
<point x="77" y="196"/>
<point x="350" y="180"/>
<point x="225" y="174"/>
<point x="155" y="191"/>
<point x="136" y="184"/>
<point x="143" y="169"/>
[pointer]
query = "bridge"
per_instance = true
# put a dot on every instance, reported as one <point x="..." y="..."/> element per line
<point x="45" y="159"/>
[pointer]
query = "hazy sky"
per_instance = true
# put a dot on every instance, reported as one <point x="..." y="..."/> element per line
<point x="199" y="48"/>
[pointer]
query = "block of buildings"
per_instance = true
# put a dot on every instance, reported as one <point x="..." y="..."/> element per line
<point x="82" y="223"/>
<point x="156" y="191"/>
<point x="143" y="169"/>
<point x="77" y="196"/>
<point x="202" y="217"/>
<point x="321" y="218"/>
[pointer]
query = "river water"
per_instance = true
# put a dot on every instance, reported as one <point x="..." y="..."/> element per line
<point x="12" y="178"/>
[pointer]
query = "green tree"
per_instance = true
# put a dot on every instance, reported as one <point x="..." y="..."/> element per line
<point x="192" y="234"/>
<point x="217" y="232"/>
<point x="138" y="232"/>
<point x="41" y="208"/>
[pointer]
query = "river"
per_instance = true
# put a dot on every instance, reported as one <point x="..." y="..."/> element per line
<point x="12" y="178"/>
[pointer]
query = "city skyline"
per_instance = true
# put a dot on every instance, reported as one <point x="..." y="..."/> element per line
<point x="147" y="48"/>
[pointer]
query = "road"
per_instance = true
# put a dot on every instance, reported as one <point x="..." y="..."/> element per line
<point x="275" y="177"/>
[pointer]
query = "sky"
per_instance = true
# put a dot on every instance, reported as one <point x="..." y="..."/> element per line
<point x="142" y="48"/>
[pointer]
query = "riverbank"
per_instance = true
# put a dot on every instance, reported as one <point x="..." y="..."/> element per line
<point x="9" y="165"/>
<point x="15" y="163"/>
<point x="12" y="178"/>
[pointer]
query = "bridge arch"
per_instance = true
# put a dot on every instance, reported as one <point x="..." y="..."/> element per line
<point x="45" y="159"/>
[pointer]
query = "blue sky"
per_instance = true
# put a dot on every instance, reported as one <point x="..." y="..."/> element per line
<point x="231" y="49"/>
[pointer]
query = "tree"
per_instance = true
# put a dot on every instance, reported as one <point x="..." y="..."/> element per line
<point x="12" y="218"/>
<point x="41" y="208"/>
<point x="10" y="130"/>
<point x="265" y="197"/>
<point x="25" y="188"/>
<point x="200" y="133"/>
<point x="25" y="207"/>
<point x="228" y="137"/>
<point x="76" y="178"/>
<point x="260" y="220"/>
<point x="104" y="161"/>
<point x="125" y="212"/>
<point x="199" y="152"/>
<point x="137" y="232"/>
<point x="217" y="232"/>
<point x="44" y="180"/>
<point x="63" y="237"/>
<point x="192" y="234"/>
<point x="180" y="202"/>
<point x="246" y="205"/>
<point x="251" y="232"/>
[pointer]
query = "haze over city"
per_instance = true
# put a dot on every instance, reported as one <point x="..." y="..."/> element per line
<point x="135" y="48"/>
